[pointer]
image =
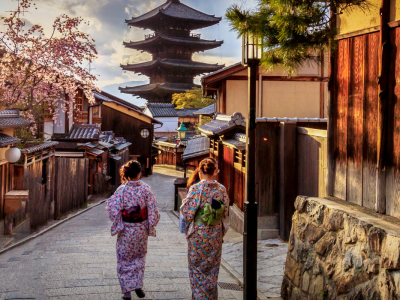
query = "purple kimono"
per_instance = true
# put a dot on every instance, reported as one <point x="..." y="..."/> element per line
<point x="132" y="238"/>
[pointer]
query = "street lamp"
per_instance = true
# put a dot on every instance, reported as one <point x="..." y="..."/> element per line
<point x="251" y="54"/>
<point x="182" y="134"/>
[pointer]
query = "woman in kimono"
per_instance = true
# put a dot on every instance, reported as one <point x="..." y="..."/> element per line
<point x="205" y="210"/>
<point x="134" y="215"/>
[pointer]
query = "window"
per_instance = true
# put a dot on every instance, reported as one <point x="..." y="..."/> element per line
<point x="145" y="133"/>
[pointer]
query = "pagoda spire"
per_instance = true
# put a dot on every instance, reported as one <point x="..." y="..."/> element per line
<point x="172" y="45"/>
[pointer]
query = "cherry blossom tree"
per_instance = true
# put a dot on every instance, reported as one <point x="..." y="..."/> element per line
<point x="39" y="74"/>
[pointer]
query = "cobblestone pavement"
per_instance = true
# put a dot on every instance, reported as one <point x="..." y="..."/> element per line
<point x="77" y="259"/>
<point x="271" y="262"/>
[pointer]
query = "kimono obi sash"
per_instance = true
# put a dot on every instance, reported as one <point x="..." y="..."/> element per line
<point x="211" y="214"/>
<point x="135" y="215"/>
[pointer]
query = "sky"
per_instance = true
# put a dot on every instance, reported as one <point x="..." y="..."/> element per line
<point x="108" y="28"/>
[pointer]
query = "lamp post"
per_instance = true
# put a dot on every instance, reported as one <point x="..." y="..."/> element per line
<point x="251" y="55"/>
<point x="182" y="134"/>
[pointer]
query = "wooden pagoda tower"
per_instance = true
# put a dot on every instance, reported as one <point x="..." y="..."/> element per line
<point x="172" y="45"/>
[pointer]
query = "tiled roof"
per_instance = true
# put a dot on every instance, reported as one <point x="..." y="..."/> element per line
<point x="9" y="113"/>
<point x="159" y="38"/>
<point x="39" y="147"/>
<point x="186" y="111"/>
<point x="224" y="69"/>
<point x="11" y="118"/>
<point x="110" y="98"/>
<point x="238" y="142"/>
<point x="208" y="110"/>
<point x="223" y="123"/>
<point x="84" y="132"/>
<point x="6" y="140"/>
<point x="159" y="87"/>
<point x="197" y="147"/>
<point x="174" y="9"/>
<point x="162" y="110"/>
<point x="199" y="67"/>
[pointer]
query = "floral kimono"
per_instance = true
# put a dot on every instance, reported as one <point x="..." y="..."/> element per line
<point x="132" y="238"/>
<point x="204" y="242"/>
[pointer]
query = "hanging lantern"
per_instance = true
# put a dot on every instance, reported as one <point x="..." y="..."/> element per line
<point x="13" y="155"/>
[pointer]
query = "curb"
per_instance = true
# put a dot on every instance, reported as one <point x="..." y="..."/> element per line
<point x="226" y="265"/>
<point x="29" y="238"/>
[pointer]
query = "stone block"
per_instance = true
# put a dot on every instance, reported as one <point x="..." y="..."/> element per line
<point x="375" y="239"/>
<point x="299" y="227"/>
<point x="385" y="285"/>
<point x="391" y="253"/>
<point x="315" y="233"/>
<point x="372" y="266"/>
<point x="333" y="219"/>
<point x="325" y="243"/>
<point x="352" y="259"/>
<point x="315" y="211"/>
<point x="344" y="283"/>
<point x="286" y="288"/>
<point x="300" y="203"/>
<point x="316" y="286"/>
<point x="292" y="270"/>
<point x="305" y="282"/>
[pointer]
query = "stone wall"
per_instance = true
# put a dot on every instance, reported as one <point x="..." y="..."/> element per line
<point x="341" y="251"/>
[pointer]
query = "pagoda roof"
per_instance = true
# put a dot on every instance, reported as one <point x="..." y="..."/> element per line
<point x="174" y="10"/>
<point x="190" y="65"/>
<point x="196" y="44"/>
<point x="159" y="88"/>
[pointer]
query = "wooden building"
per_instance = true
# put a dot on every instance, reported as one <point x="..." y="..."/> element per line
<point x="303" y="95"/>
<point x="170" y="153"/>
<point x="171" y="117"/>
<point x="172" y="45"/>
<point x="364" y="128"/>
<point x="198" y="148"/>
<point x="35" y="175"/>
<point x="291" y="159"/>
<point x="10" y="120"/>
<point x="206" y="113"/>
<point x="111" y="113"/>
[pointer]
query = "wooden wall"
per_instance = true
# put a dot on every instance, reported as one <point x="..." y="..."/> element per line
<point x="130" y="128"/>
<point x="355" y="121"/>
<point x="71" y="184"/>
<point x="115" y="167"/>
<point x="41" y="191"/>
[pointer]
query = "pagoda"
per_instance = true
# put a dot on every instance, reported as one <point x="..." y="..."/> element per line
<point x="172" y="45"/>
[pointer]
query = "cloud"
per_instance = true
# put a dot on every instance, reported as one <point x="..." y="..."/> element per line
<point x="108" y="28"/>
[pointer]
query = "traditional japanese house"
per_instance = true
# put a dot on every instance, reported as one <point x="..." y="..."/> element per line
<point x="205" y="113"/>
<point x="364" y="128"/>
<point x="10" y="120"/>
<point x="172" y="45"/>
<point x="302" y="95"/>
<point x="111" y="113"/>
<point x="170" y="153"/>
<point x="198" y="149"/>
<point x="291" y="159"/>
<point x="171" y="117"/>
<point x="34" y="179"/>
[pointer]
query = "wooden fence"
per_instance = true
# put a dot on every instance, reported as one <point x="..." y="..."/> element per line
<point x="71" y="182"/>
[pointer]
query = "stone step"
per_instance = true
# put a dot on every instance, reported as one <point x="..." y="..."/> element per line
<point x="5" y="241"/>
<point x="267" y="234"/>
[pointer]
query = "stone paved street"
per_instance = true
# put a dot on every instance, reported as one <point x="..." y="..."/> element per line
<point x="77" y="259"/>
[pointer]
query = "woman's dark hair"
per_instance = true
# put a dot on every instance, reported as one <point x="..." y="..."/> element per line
<point x="130" y="170"/>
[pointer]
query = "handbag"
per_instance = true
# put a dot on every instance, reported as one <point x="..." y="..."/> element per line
<point x="182" y="224"/>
